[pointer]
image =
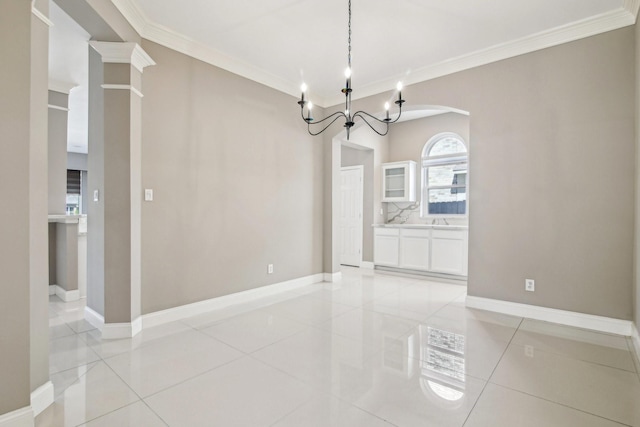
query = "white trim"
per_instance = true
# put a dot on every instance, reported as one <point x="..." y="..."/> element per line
<point x="333" y="277"/>
<point x="563" y="317"/>
<point x="367" y="264"/>
<point x="67" y="296"/>
<point x="61" y="86"/>
<point x="52" y="290"/>
<point x="41" y="16"/>
<point x="57" y="107"/>
<point x="594" y="25"/>
<point x="41" y="398"/>
<point x="130" y="11"/>
<point x="632" y="7"/>
<point x="635" y="338"/>
<point x="113" y="331"/>
<point x="123" y="87"/>
<point x="621" y="17"/>
<point x="94" y="318"/>
<point x="22" y="417"/>
<point x="200" y="307"/>
<point x="123" y="53"/>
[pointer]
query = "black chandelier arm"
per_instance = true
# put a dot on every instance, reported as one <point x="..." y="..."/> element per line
<point x="364" y="119"/>
<point x="337" y="116"/>
<point x="316" y="122"/>
<point x="387" y="121"/>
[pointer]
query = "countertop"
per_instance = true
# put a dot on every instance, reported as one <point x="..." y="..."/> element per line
<point x="433" y="226"/>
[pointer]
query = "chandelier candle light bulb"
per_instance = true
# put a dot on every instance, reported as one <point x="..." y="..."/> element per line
<point x="348" y="117"/>
<point x="309" y="107"/>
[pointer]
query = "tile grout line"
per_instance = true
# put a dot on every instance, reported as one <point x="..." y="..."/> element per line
<point x="559" y="404"/>
<point x="538" y="397"/>
<point x="492" y="372"/>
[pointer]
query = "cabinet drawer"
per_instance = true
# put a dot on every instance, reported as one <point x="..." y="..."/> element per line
<point x="387" y="232"/>
<point x="449" y="234"/>
<point x="416" y="232"/>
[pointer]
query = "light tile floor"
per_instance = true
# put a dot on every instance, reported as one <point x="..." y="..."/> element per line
<point x="373" y="350"/>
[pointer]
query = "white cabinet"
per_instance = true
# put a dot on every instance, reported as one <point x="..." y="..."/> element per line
<point x="399" y="182"/>
<point x="386" y="247"/>
<point x="428" y="249"/>
<point x="449" y="252"/>
<point x="414" y="249"/>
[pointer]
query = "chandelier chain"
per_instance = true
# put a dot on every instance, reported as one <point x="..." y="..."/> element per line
<point x="347" y="114"/>
<point x="349" y="55"/>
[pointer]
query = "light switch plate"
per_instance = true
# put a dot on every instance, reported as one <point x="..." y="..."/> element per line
<point x="96" y="195"/>
<point x="148" y="195"/>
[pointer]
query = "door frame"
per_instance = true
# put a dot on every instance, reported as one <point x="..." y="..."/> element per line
<point x="360" y="169"/>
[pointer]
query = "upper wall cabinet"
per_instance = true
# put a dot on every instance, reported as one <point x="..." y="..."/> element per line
<point x="399" y="181"/>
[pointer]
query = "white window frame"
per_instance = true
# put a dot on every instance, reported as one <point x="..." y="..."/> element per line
<point x="446" y="159"/>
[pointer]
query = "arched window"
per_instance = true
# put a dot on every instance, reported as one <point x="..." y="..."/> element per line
<point x="444" y="176"/>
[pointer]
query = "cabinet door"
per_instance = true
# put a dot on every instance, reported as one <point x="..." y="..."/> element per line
<point x="386" y="250"/>
<point x="449" y="252"/>
<point x="395" y="182"/>
<point x="414" y="252"/>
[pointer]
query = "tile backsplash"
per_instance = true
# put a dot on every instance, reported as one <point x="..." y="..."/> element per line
<point x="409" y="213"/>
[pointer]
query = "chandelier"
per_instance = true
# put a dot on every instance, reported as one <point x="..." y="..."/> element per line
<point x="348" y="116"/>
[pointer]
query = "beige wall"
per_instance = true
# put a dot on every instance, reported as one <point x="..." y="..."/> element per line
<point x="636" y="271"/>
<point x="38" y="209"/>
<point x="23" y="220"/>
<point x="552" y="142"/>
<point x="57" y="153"/>
<point x="237" y="184"/>
<point x="15" y="39"/>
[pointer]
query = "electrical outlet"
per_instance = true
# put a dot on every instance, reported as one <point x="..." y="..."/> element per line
<point x="528" y="351"/>
<point x="270" y="269"/>
<point x="529" y="285"/>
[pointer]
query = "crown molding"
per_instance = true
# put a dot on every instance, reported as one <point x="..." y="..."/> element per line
<point x="131" y="13"/>
<point x="183" y="44"/>
<point x="564" y="34"/>
<point x="123" y="53"/>
<point x="619" y="18"/>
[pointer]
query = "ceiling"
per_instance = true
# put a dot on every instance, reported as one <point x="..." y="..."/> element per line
<point x="283" y="43"/>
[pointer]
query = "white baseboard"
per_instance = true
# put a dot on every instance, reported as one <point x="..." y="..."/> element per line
<point x="367" y="264"/>
<point x="41" y="398"/>
<point x="563" y="317"/>
<point x="635" y="338"/>
<point x="22" y="417"/>
<point x="114" y="331"/>
<point x="52" y="290"/>
<point x="201" y="307"/>
<point x="333" y="277"/>
<point x="94" y="318"/>
<point x="66" y="296"/>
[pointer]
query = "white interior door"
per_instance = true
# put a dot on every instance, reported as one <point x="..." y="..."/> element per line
<point x="350" y="221"/>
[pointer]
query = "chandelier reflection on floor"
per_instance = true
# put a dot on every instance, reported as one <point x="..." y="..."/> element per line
<point x="347" y="114"/>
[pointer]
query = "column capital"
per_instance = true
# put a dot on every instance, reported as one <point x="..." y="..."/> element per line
<point x="123" y="53"/>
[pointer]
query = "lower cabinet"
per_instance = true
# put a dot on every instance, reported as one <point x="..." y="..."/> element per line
<point x="449" y="252"/>
<point x="414" y="249"/>
<point x="386" y="247"/>
<point x="423" y="249"/>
